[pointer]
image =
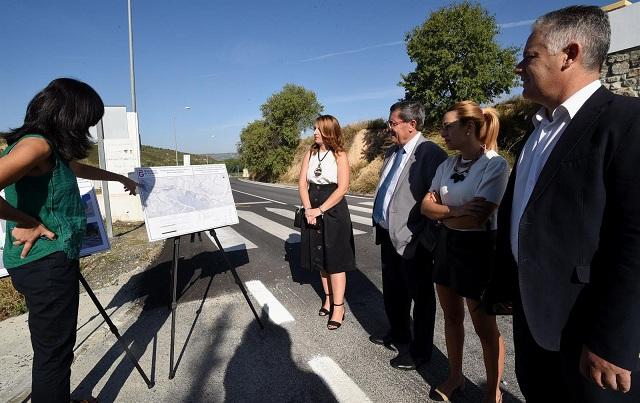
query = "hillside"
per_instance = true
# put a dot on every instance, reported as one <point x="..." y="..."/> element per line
<point x="365" y="143"/>
<point x="156" y="156"/>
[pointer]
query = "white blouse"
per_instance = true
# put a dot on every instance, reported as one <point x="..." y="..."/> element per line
<point x="487" y="178"/>
<point x="328" y="165"/>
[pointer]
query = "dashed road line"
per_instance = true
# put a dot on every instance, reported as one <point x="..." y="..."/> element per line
<point x="367" y="203"/>
<point x="290" y="214"/>
<point x="344" y="389"/>
<point x="252" y="203"/>
<point x="361" y="220"/>
<point x="362" y="209"/>
<point x="259" y="197"/>
<point x="285" y="233"/>
<point x="231" y="240"/>
<point x="277" y="313"/>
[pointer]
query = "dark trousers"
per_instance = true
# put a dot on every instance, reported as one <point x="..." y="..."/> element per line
<point x="50" y="287"/>
<point x="554" y="376"/>
<point x="404" y="281"/>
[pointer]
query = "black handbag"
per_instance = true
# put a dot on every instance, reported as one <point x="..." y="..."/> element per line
<point x="299" y="216"/>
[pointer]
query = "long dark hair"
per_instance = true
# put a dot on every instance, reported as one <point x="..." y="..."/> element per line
<point x="62" y="112"/>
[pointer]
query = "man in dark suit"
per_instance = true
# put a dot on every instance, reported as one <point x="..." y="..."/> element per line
<point x="406" y="237"/>
<point x="569" y="223"/>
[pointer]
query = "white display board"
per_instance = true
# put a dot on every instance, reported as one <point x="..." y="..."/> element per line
<point x="3" y="271"/>
<point x="181" y="200"/>
<point x="95" y="238"/>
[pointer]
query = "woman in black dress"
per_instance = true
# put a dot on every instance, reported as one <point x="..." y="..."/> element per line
<point x="464" y="195"/>
<point x="327" y="235"/>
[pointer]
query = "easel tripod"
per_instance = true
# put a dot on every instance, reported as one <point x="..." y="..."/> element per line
<point x="174" y="292"/>
<point x="114" y="330"/>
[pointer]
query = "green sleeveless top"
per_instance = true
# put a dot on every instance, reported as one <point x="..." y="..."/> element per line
<point x="53" y="199"/>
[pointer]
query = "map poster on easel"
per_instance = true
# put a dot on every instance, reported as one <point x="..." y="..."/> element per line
<point x="181" y="200"/>
<point x="95" y="238"/>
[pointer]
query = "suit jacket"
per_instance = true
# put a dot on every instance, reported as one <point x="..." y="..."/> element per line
<point x="579" y="235"/>
<point x="407" y="225"/>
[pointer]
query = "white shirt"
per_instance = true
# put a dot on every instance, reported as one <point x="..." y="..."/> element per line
<point x="329" y="168"/>
<point x="486" y="178"/>
<point x="536" y="151"/>
<point x="408" y="150"/>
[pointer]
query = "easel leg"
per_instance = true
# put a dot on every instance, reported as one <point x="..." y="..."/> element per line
<point x="174" y="304"/>
<point x="114" y="330"/>
<point x="236" y="277"/>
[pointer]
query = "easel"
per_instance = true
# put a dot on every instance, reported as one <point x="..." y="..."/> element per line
<point x="174" y="292"/>
<point x="114" y="330"/>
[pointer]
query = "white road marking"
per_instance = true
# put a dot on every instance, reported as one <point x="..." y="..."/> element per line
<point x="290" y="214"/>
<point x="369" y="203"/>
<point x="259" y="197"/>
<point x="344" y="389"/>
<point x="285" y="233"/>
<point x="252" y="203"/>
<point x="361" y="220"/>
<point x="278" y="314"/>
<point x="231" y="240"/>
<point x="363" y="209"/>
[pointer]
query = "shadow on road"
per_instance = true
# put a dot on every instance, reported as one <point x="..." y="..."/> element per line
<point x="152" y="288"/>
<point x="262" y="369"/>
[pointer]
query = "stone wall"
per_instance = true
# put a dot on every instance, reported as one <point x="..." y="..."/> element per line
<point x="621" y="72"/>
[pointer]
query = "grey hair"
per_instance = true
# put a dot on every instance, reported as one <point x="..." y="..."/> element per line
<point x="408" y="111"/>
<point x="586" y="25"/>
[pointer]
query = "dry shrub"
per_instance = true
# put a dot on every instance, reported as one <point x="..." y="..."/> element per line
<point x="291" y="175"/>
<point x="11" y="301"/>
<point x="367" y="177"/>
<point x="515" y="123"/>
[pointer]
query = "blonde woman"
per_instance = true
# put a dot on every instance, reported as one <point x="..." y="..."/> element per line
<point x="327" y="235"/>
<point x="464" y="195"/>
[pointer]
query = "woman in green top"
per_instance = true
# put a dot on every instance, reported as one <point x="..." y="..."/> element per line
<point x="46" y="222"/>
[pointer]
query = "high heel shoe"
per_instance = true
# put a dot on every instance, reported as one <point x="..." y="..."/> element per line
<point x="333" y="324"/>
<point x="324" y="311"/>
<point x="439" y="396"/>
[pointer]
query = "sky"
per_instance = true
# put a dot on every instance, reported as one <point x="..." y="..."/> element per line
<point x="223" y="59"/>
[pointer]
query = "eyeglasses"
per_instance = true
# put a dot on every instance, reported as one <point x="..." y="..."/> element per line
<point x="446" y="126"/>
<point x="391" y="123"/>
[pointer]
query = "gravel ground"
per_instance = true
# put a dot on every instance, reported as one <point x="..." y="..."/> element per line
<point x="130" y="250"/>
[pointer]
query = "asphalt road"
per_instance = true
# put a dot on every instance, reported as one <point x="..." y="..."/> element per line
<point x="221" y="352"/>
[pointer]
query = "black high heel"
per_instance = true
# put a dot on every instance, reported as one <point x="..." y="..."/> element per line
<point x="332" y="324"/>
<point x="324" y="311"/>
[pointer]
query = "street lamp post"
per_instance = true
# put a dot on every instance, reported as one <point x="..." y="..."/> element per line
<point x="175" y="137"/>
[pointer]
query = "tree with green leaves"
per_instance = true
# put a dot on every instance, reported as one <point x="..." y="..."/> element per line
<point x="457" y="58"/>
<point x="267" y="146"/>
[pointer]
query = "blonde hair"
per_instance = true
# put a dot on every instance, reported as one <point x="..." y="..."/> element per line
<point x="485" y="120"/>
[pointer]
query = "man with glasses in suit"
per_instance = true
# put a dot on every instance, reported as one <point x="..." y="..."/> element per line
<point x="406" y="237"/>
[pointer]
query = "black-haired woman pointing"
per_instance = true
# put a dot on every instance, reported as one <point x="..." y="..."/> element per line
<point x="46" y="222"/>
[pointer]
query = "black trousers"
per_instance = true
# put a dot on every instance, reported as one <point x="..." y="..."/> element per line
<point x="554" y="376"/>
<point x="404" y="281"/>
<point x="50" y="286"/>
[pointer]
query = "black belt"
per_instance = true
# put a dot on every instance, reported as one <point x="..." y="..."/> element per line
<point x="328" y="186"/>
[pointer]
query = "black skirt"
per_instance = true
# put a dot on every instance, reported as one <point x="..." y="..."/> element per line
<point x="329" y="246"/>
<point x="463" y="261"/>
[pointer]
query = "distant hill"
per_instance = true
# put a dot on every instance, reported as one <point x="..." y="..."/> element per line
<point x="156" y="156"/>
<point x="225" y="156"/>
